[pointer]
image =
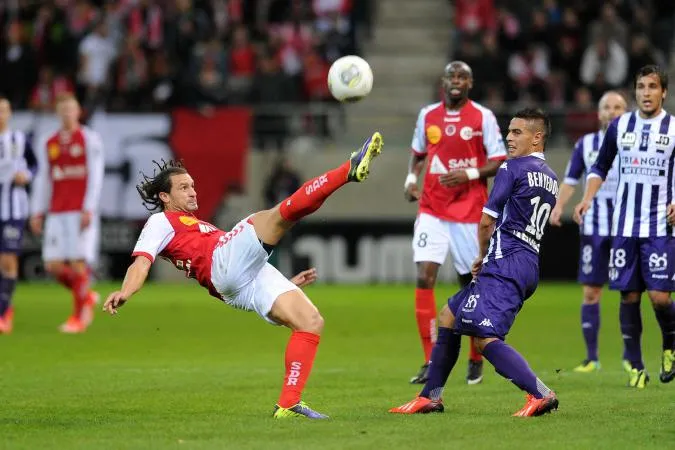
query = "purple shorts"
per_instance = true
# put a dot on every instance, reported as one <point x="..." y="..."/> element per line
<point x="488" y="306"/>
<point x="636" y="264"/>
<point x="11" y="235"/>
<point x="594" y="260"/>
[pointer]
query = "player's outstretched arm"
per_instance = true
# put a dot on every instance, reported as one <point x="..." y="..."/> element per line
<point x="136" y="275"/>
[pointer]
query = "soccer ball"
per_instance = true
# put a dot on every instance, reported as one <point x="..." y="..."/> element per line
<point x="350" y="79"/>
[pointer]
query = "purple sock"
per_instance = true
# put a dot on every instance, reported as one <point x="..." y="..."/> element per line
<point x="7" y="286"/>
<point x="510" y="364"/>
<point x="443" y="358"/>
<point x="590" y="327"/>
<point x="631" y="331"/>
<point x="666" y="318"/>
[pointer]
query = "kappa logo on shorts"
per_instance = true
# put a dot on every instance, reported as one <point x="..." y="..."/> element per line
<point x="486" y="323"/>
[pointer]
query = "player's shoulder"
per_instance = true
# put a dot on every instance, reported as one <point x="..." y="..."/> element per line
<point x="90" y="133"/>
<point x="587" y="138"/>
<point x="483" y="110"/>
<point x="158" y="220"/>
<point x="426" y="109"/>
<point x="623" y="120"/>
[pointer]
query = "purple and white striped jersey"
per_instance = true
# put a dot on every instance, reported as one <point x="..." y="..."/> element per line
<point x="16" y="155"/>
<point x="644" y="151"/>
<point x="524" y="193"/>
<point x="598" y="218"/>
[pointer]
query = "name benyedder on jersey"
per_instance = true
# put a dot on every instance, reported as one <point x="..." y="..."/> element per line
<point x="540" y="179"/>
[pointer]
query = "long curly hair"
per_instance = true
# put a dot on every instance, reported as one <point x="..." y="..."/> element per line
<point x="160" y="181"/>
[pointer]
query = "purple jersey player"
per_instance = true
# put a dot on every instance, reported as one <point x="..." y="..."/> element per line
<point x="642" y="256"/>
<point x="505" y="274"/>
<point x="595" y="231"/>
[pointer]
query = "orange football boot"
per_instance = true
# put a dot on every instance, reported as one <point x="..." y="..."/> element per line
<point x="72" y="326"/>
<point x="419" y="405"/>
<point x="538" y="406"/>
<point x="6" y="321"/>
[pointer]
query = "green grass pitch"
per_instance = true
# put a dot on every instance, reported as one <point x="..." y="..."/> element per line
<point x="178" y="370"/>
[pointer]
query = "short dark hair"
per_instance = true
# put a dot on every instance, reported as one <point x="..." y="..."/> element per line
<point x="536" y="114"/>
<point x="649" y="70"/>
<point x="160" y="181"/>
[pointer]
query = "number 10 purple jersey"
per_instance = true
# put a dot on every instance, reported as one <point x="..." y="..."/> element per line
<point x="523" y="195"/>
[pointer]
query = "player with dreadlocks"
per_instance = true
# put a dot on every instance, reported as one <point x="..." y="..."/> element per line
<point x="233" y="265"/>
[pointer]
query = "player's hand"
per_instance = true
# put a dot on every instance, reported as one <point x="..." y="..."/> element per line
<point x="114" y="302"/>
<point x="412" y="192"/>
<point x="476" y="266"/>
<point x="85" y="219"/>
<point x="36" y="224"/>
<point x="304" y="278"/>
<point x="556" y="215"/>
<point x="580" y="210"/>
<point x="454" y="178"/>
<point x="21" y="179"/>
<point x="670" y="214"/>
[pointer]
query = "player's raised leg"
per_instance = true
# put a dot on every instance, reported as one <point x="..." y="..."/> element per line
<point x="294" y="310"/>
<point x="590" y="327"/>
<point x="664" y="309"/>
<point x="270" y="225"/>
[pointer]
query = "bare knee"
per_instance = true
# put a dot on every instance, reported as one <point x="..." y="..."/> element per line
<point x="630" y="297"/>
<point x="270" y="226"/>
<point x="426" y="275"/>
<point x="660" y="299"/>
<point x="54" y="267"/>
<point x="9" y="265"/>
<point x="294" y="310"/>
<point x="79" y="266"/>
<point x="592" y="294"/>
<point x="480" y="343"/>
<point x="446" y="318"/>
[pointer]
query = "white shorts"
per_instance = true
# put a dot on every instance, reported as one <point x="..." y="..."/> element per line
<point x="64" y="241"/>
<point x="433" y="238"/>
<point x="243" y="277"/>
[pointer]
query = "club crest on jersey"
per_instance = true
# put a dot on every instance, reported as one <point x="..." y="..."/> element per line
<point x="54" y="150"/>
<point x="450" y="130"/>
<point x="628" y="139"/>
<point x="466" y="133"/>
<point x="433" y="134"/>
<point x="75" y="150"/>
<point x="188" y="221"/>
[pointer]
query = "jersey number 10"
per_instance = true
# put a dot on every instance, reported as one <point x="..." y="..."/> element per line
<point x="539" y="218"/>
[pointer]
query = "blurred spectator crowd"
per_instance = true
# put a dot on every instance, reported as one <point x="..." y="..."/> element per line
<point x="147" y="55"/>
<point x="559" y="52"/>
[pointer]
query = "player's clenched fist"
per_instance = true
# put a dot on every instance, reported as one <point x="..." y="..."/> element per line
<point x="114" y="302"/>
<point x="556" y="215"/>
<point x="670" y="213"/>
<point x="412" y="192"/>
<point x="305" y="278"/>
<point x="580" y="210"/>
<point x="36" y="224"/>
<point x="476" y="266"/>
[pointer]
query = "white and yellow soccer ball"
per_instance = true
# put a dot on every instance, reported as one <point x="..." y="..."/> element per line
<point x="350" y="79"/>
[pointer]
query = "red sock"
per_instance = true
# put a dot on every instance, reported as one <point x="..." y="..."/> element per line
<point x="80" y="291"/>
<point x="313" y="193"/>
<point x="425" y="313"/>
<point x="474" y="355"/>
<point x="67" y="277"/>
<point x="300" y="353"/>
